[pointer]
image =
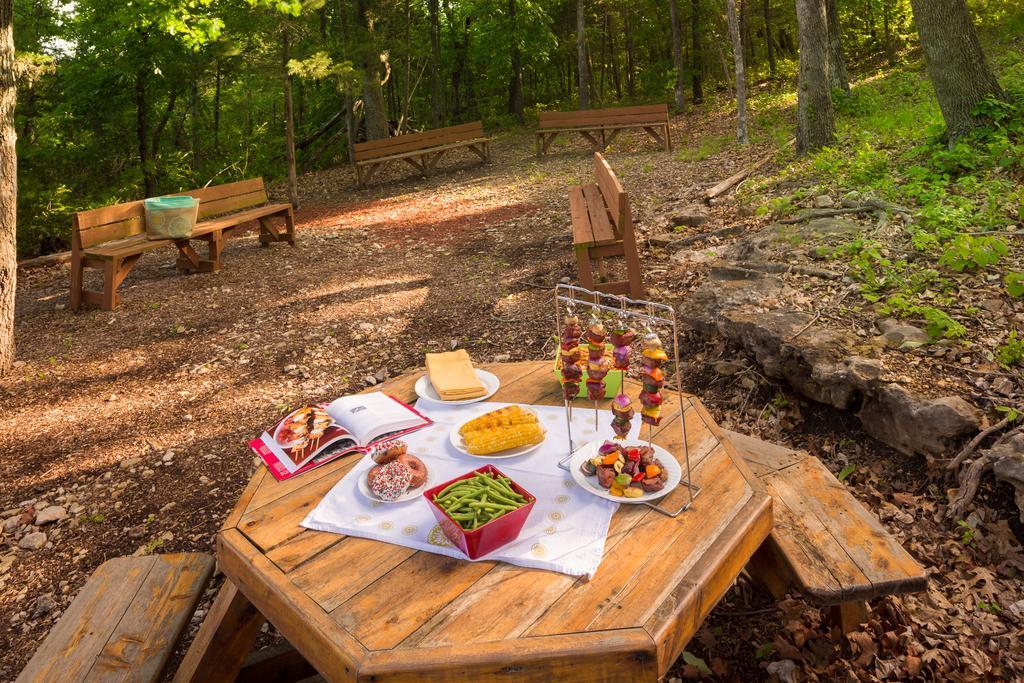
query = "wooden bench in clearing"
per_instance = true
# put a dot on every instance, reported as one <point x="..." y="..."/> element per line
<point x="125" y="622"/>
<point x="602" y="226"/>
<point x="422" y="151"/>
<point x="602" y="126"/>
<point x="824" y="541"/>
<point x="113" y="238"/>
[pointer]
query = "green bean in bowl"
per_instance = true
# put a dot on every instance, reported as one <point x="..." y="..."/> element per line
<point x="479" y="499"/>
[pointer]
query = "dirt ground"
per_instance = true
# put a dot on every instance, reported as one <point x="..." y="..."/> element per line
<point x="136" y="420"/>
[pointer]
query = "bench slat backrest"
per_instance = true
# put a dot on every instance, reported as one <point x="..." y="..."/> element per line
<point x="641" y="114"/>
<point x="219" y="199"/>
<point x="118" y="221"/>
<point x="410" y="142"/>
<point x="615" y="198"/>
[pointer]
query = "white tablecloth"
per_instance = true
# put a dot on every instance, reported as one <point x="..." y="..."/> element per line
<point x="565" y="531"/>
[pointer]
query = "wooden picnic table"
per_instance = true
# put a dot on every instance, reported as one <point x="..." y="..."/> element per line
<point x="361" y="610"/>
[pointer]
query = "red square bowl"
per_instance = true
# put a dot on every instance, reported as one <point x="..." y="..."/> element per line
<point x="491" y="536"/>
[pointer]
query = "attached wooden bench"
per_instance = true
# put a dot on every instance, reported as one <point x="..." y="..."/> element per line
<point x="125" y="623"/>
<point x="824" y="541"/>
<point x="113" y="238"/>
<point x="602" y="226"/>
<point x="602" y="126"/>
<point x="422" y="151"/>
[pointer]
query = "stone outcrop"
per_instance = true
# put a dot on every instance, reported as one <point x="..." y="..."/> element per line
<point x="826" y="366"/>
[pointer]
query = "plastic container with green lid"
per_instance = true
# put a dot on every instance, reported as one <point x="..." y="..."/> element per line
<point x="171" y="217"/>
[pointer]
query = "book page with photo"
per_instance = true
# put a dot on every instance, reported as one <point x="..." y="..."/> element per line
<point x="316" y="434"/>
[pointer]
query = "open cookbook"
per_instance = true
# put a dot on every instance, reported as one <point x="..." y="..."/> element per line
<point x="314" y="435"/>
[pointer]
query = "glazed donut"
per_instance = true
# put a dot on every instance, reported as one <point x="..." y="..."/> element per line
<point x="418" y="469"/>
<point x="388" y="451"/>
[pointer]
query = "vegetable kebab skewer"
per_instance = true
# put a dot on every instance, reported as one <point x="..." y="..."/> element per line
<point x="572" y="371"/>
<point x="653" y="379"/>
<point x="622" y="407"/>
<point x="597" y="364"/>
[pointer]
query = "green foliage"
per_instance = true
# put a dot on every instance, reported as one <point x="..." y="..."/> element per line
<point x="1010" y="412"/>
<point x="764" y="651"/>
<point x="967" y="532"/>
<point x="967" y="252"/>
<point x="846" y="472"/>
<point x="1012" y="352"/>
<point x="696" y="662"/>
<point x="707" y="146"/>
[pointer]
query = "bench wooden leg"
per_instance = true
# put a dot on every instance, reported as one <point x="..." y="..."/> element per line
<point x="289" y="222"/>
<point x="188" y="259"/>
<point x="633" y="272"/>
<point x="668" y="138"/>
<point x="770" y="571"/>
<point x="268" y="233"/>
<point x="547" y="142"/>
<point x="611" y="137"/>
<point x="359" y="176"/>
<point x="77" y="279"/>
<point x="657" y="137"/>
<point x="583" y="265"/>
<point x="224" y="639"/>
<point x="589" y="136"/>
<point x="848" y="616"/>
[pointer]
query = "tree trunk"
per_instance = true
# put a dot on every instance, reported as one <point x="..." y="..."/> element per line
<point x="515" y="83"/>
<point x="581" y="54"/>
<point x="769" y="38"/>
<point x="815" y="119"/>
<point x="436" y="86"/>
<point x="616" y="79"/>
<point x="837" y="76"/>
<point x="630" y="61"/>
<point x="697" y="56"/>
<point x="677" y="55"/>
<point x="374" y="108"/>
<point x="890" y="50"/>
<point x="741" y="75"/>
<point x="142" y="133"/>
<point x="8" y="186"/>
<point x="289" y="127"/>
<point x="194" y="137"/>
<point x="216" y="112"/>
<point x="956" y="64"/>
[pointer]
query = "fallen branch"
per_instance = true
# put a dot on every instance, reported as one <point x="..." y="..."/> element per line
<point x="736" y="178"/>
<point x="969" y="482"/>
<point x="805" y="327"/>
<point x="973" y="444"/>
<point x="729" y="231"/>
<point x="811" y="214"/>
<point x="970" y="478"/>
<point x="772" y="267"/>
<point x="42" y="261"/>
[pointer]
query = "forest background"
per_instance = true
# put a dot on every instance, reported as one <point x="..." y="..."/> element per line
<point x="117" y="101"/>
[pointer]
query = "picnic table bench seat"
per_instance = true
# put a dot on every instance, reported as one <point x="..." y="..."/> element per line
<point x="601" y="126"/>
<point x="602" y="226"/>
<point x="113" y="238"/>
<point x="420" y="150"/>
<point x="824" y="541"/>
<point x="125" y="622"/>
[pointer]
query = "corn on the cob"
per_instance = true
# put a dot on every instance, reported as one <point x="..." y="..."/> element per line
<point x="492" y="440"/>
<point x="502" y="417"/>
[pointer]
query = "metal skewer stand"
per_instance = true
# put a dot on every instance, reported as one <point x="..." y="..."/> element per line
<point x="567" y="297"/>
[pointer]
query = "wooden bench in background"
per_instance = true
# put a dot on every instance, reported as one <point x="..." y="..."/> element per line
<point x="125" y="622"/>
<point x="602" y="226"/>
<point x="113" y="238"/>
<point x="824" y="542"/>
<point x="422" y="151"/>
<point x="602" y="126"/>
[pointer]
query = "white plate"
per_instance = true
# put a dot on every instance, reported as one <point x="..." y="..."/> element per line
<point x="460" y="444"/>
<point x="424" y="389"/>
<point x="364" y="488"/>
<point x="590" y="484"/>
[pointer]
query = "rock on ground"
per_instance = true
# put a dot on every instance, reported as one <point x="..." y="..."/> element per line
<point x="825" y="366"/>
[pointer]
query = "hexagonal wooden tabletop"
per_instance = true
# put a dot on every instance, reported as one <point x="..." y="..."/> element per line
<point x="358" y="609"/>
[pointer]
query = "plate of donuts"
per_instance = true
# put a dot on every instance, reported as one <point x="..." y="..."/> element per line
<point x="397" y="476"/>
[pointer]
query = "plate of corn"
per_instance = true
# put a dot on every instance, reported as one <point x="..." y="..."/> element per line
<point x="503" y="433"/>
